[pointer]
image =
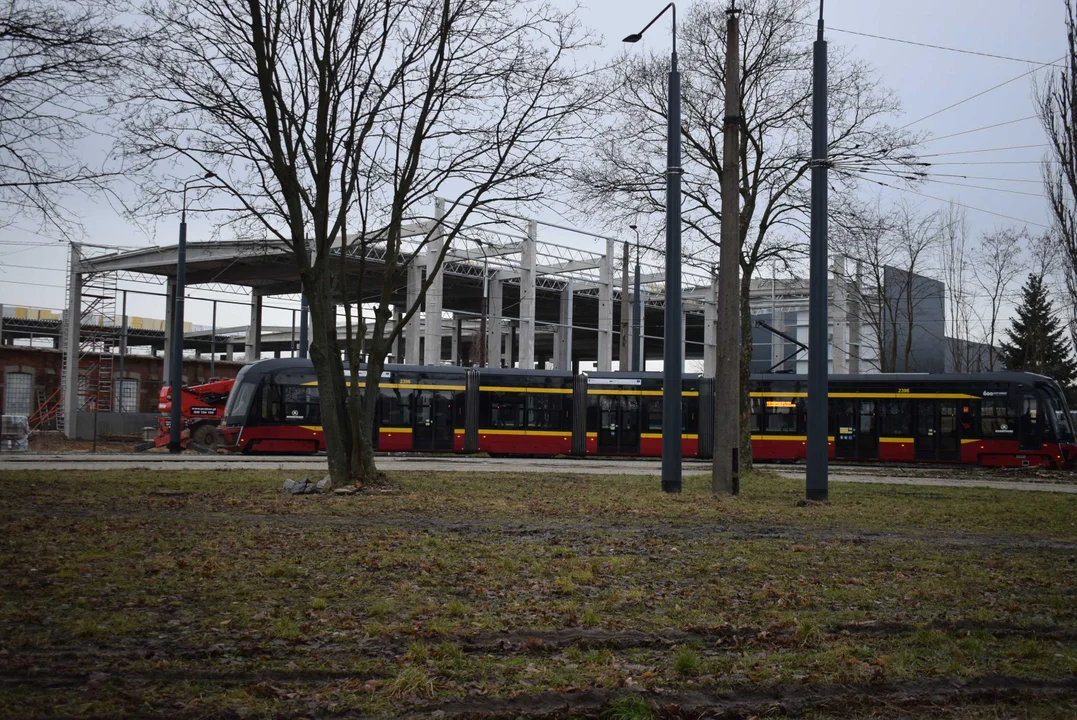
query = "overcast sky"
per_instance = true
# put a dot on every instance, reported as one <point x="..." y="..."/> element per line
<point x="924" y="79"/>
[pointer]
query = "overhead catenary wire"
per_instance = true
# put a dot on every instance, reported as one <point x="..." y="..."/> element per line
<point x="981" y="93"/>
<point x="916" y="43"/>
<point x="980" y="129"/>
<point x="964" y="185"/>
<point x="945" y="200"/>
<point x="985" y="150"/>
<point x="963" y="51"/>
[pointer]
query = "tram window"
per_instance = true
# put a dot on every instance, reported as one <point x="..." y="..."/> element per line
<point x="301" y="404"/>
<point x="867" y="417"/>
<point x="239" y="403"/>
<point x="507" y="410"/>
<point x="1030" y="416"/>
<point x="997" y="417"/>
<point x="395" y="407"/>
<point x="970" y="427"/>
<point x="543" y="412"/>
<point x="1054" y="421"/>
<point x="896" y="416"/>
<point x="757" y="412"/>
<point x="271" y="403"/>
<point x="689" y="415"/>
<point x="782" y="416"/>
<point x="652" y="408"/>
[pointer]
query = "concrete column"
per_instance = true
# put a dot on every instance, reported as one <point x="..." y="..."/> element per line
<point x="398" y="348"/>
<point x="510" y="342"/>
<point x="605" y="310"/>
<point x="454" y="355"/>
<point x="527" y="297"/>
<point x="684" y="339"/>
<point x="435" y="294"/>
<point x="710" y="329"/>
<point x="643" y="330"/>
<point x="839" y="328"/>
<point x="253" y="346"/>
<point x="563" y="336"/>
<point x="170" y="304"/>
<point x="230" y="352"/>
<point x="412" y="332"/>
<point x="624" y="353"/>
<point x="493" y="322"/>
<point x="72" y="316"/>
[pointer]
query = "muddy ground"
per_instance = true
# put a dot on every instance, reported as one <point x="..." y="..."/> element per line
<point x="210" y="594"/>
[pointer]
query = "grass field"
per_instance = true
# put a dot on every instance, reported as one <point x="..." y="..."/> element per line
<point x="210" y="594"/>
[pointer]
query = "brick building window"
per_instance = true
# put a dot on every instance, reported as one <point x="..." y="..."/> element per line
<point x="128" y="396"/>
<point x="18" y="393"/>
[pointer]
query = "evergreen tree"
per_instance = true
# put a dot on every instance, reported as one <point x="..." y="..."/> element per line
<point x="1036" y="341"/>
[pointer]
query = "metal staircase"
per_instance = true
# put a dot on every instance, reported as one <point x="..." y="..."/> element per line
<point x="98" y="339"/>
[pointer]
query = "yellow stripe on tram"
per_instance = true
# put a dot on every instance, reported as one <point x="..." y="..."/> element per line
<point x="537" y="390"/>
<point x="543" y="433"/>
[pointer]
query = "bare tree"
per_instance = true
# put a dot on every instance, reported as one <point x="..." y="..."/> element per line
<point x="623" y="178"/>
<point x="1056" y="101"/>
<point x="334" y="125"/>
<point x="890" y="250"/>
<point x="957" y="270"/>
<point x="999" y="262"/>
<point x="57" y="63"/>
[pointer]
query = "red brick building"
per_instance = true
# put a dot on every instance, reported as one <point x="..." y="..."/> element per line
<point x="31" y="376"/>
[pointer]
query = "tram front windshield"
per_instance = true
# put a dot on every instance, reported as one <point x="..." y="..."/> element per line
<point x="1059" y="413"/>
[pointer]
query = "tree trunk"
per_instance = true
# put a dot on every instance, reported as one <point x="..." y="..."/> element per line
<point x="329" y="369"/>
<point x="746" y="346"/>
<point x="364" y="467"/>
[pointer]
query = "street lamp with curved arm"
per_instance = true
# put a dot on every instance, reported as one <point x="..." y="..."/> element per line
<point x="672" y="347"/>
<point x="176" y="415"/>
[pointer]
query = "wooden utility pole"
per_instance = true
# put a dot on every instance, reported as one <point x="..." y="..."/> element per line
<point x="624" y="361"/>
<point x="725" y="477"/>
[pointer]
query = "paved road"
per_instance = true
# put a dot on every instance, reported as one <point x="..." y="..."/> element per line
<point x="588" y="466"/>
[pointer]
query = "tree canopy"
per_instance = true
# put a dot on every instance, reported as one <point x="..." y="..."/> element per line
<point x="1036" y="341"/>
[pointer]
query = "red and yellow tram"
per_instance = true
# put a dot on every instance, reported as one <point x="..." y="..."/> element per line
<point x="995" y="419"/>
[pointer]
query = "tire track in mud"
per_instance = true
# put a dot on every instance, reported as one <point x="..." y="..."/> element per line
<point x="505" y="644"/>
<point x="750" y="701"/>
<point x="491" y="526"/>
<point x="744" y="701"/>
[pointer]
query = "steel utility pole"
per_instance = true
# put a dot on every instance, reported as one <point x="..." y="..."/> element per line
<point x="818" y="444"/>
<point x="623" y="362"/>
<point x="672" y="347"/>
<point x="725" y="474"/>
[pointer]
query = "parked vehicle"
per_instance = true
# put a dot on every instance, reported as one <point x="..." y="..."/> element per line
<point x="201" y="409"/>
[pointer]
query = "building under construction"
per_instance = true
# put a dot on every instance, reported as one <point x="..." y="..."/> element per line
<point x="546" y="305"/>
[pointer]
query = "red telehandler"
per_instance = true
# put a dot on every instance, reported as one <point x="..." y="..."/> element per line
<point x="201" y="410"/>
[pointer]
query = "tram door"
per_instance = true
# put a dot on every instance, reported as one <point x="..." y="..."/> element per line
<point x="867" y="431"/>
<point x="926" y="441"/>
<point x="433" y="428"/>
<point x="949" y="432"/>
<point x="937" y="433"/>
<point x="843" y="425"/>
<point x="856" y="431"/>
<point x="618" y="425"/>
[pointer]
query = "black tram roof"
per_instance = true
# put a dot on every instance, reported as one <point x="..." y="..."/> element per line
<point x="262" y="367"/>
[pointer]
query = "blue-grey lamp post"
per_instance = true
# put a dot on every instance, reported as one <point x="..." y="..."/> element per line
<point x="818" y="442"/>
<point x="176" y="416"/>
<point x="673" y="351"/>
<point x="637" y="314"/>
